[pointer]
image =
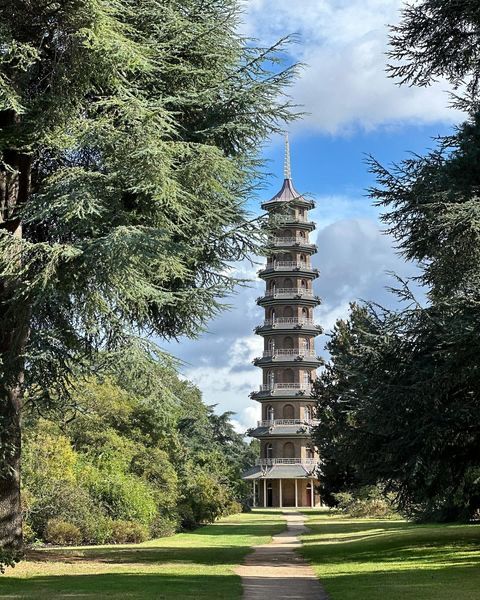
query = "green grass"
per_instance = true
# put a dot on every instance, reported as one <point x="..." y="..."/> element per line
<point x="193" y="565"/>
<point x="364" y="559"/>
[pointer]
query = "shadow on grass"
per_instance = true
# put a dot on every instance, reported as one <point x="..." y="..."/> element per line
<point x="123" y="585"/>
<point x="395" y="560"/>
<point x="222" y="555"/>
<point x="451" y="582"/>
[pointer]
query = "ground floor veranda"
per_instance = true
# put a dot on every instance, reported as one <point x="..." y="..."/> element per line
<point x="283" y="493"/>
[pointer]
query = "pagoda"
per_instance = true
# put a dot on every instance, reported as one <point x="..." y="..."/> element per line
<point x="285" y="473"/>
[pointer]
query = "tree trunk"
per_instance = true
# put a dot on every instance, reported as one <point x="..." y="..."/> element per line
<point x="15" y="177"/>
<point x="10" y="504"/>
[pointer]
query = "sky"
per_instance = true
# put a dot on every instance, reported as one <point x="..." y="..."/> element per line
<point x="353" y="110"/>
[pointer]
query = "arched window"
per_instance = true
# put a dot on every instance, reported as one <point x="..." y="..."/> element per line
<point x="288" y="376"/>
<point x="303" y="258"/>
<point x="268" y="451"/>
<point x="303" y="284"/>
<point x="270" y="379"/>
<point x="306" y="378"/>
<point x="310" y="452"/>
<point x="305" y="313"/>
<point x="305" y="344"/>
<point x="271" y="345"/>
<point x="307" y="413"/>
<point x="288" y="412"/>
<point x="287" y="283"/>
<point x="272" y="314"/>
<point x="288" y="450"/>
<point x="270" y="413"/>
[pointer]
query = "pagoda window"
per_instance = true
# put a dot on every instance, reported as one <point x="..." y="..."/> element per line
<point x="307" y="413"/>
<point x="270" y="413"/>
<point x="268" y="451"/>
<point x="271" y="378"/>
<point x="288" y="450"/>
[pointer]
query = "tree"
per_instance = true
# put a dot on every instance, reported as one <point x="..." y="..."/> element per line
<point x="400" y="400"/>
<point x="128" y="140"/>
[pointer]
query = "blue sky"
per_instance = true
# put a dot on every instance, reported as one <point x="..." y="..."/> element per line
<point x="353" y="110"/>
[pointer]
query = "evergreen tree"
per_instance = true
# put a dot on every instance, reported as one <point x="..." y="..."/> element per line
<point x="400" y="400"/>
<point x="128" y="139"/>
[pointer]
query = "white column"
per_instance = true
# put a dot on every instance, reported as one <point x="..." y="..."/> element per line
<point x="312" y="503"/>
<point x="264" y="493"/>
<point x="281" y="501"/>
<point x="254" y="494"/>
<point x="296" y="493"/>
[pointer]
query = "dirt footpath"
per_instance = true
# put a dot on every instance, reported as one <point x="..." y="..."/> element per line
<point x="276" y="572"/>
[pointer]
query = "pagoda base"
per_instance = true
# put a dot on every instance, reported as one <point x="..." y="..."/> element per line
<point x="285" y="493"/>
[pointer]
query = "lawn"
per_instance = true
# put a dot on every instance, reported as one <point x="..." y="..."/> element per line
<point x="364" y="559"/>
<point x="193" y="565"/>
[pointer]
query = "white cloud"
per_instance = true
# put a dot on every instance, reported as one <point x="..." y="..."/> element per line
<point x="343" y="43"/>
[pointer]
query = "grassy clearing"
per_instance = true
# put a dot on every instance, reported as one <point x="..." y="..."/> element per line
<point x="193" y="565"/>
<point x="364" y="559"/>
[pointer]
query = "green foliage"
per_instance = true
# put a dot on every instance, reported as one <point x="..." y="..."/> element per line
<point x="399" y="402"/>
<point x="130" y="452"/>
<point x="143" y="120"/>
<point x="366" y="502"/>
<point x="62" y="533"/>
<point x="8" y="559"/>
<point x="127" y="532"/>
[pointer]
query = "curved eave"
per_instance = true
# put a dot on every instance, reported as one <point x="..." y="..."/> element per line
<point x="294" y="431"/>
<point x="280" y="395"/>
<point x="267" y="301"/>
<point x="301" y="202"/>
<point x="311" y="362"/>
<point x="292" y="246"/>
<point x="269" y="273"/>
<point x="280" y="472"/>
<point x="270" y="330"/>
<point x="303" y="225"/>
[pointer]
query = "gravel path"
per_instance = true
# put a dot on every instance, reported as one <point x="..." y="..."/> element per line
<point x="276" y="571"/>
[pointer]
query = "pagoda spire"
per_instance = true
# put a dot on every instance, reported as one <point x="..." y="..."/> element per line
<point x="287" y="167"/>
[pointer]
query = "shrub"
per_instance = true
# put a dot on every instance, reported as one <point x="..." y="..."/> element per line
<point x="233" y="508"/>
<point x="164" y="526"/>
<point x="62" y="533"/>
<point x="127" y="532"/>
<point x="364" y="502"/>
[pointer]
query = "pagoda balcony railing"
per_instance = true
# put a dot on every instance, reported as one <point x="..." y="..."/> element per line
<point x="289" y="352"/>
<point x="292" y="219"/>
<point x="301" y="387"/>
<point x="290" y="241"/>
<point x="288" y="292"/>
<point x="280" y="422"/>
<point x="269" y="462"/>
<point x="288" y="321"/>
<point x="287" y="265"/>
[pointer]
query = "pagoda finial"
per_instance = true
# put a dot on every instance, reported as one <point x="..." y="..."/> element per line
<point x="287" y="168"/>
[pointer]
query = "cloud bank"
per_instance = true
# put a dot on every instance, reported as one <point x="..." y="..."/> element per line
<point x="343" y="44"/>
